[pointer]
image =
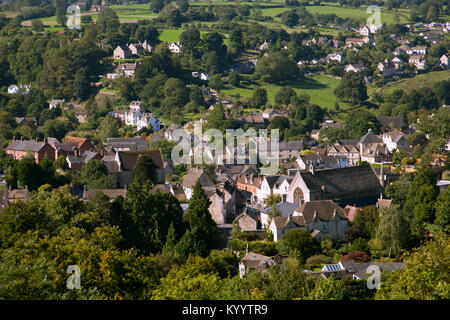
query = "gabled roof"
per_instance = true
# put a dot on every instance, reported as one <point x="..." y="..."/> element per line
<point x="191" y="177"/>
<point x="128" y="159"/>
<point x="326" y="210"/>
<point x="26" y="145"/>
<point x="257" y="261"/>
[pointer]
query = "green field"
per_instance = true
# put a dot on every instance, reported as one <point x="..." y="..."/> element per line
<point x="319" y="87"/>
<point x="419" y="81"/>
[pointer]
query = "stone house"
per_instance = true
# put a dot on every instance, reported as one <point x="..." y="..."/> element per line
<point x="254" y="262"/>
<point x="352" y="185"/>
<point x="122" y="52"/>
<point x="19" y="149"/>
<point x="191" y="178"/>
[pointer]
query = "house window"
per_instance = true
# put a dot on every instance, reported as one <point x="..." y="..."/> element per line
<point x="299" y="197"/>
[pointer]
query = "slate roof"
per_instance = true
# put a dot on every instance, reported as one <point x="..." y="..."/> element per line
<point x="360" y="269"/>
<point x="282" y="222"/>
<point x="324" y="209"/>
<point x="191" y="177"/>
<point x="285" y="208"/>
<point x="110" y="193"/>
<point x="385" y="121"/>
<point x="126" y="142"/>
<point x="26" y="145"/>
<point x="369" y="137"/>
<point x="256" y="261"/>
<point x="342" y="180"/>
<point x="128" y="159"/>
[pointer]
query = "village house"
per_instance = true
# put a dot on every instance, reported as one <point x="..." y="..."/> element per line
<point x="31" y="121"/>
<point x="354" y="67"/>
<point x="321" y="162"/>
<point x="70" y="145"/>
<point x="254" y="262"/>
<point x="418" y="61"/>
<point x="285" y="209"/>
<point x="418" y="50"/>
<point x="127" y="144"/>
<point x="248" y="220"/>
<point x="334" y="57"/>
<point x="136" y="116"/>
<point x="354" y="42"/>
<point x="191" y="178"/>
<point x="78" y="160"/>
<point x="121" y="165"/>
<point x="168" y="133"/>
<point x="122" y="52"/>
<point x="395" y="141"/>
<point x="390" y="123"/>
<point x="21" y="88"/>
<point x="56" y="103"/>
<point x="19" y="149"/>
<point x="250" y="183"/>
<point x="223" y="202"/>
<point x="352" y="185"/>
<point x="345" y="151"/>
<point x="126" y="69"/>
<point x="353" y="270"/>
<point x="322" y="218"/>
<point x="174" y="47"/>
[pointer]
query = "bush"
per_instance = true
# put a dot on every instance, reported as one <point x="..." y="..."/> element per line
<point x="318" y="260"/>
<point x="357" y="256"/>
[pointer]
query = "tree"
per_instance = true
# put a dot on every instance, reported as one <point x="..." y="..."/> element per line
<point x="298" y="243"/>
<point x="156" y="5"/>
<point x="272" y="200"/>
<point x="145" y="169"/>
<point x="94" y="175"/>
<point x="81" y="84"/>
<point x="109" y="128"/>
<point x="277" y="67"/>
<point x="183" y="5"/>
<point x="358" y="123"/>
<point x="216" y="82"/>
<point x="61" y="17"/>
<point x="443" y="209"/>
<point x="234" y="79"/>
<point x="284" y="96"/>
<point x="148" y="217"/>
<point x="328" y="289"/>
<point x="29" y="173"/>
<point x="203" y="231"/>
<point x="259" y="97"/>
<point x="393" y="230"/>
<point x="290" y="18"/>
<point x="195" y="280"/>
<point x="425" y="276"/>
<point x="352" y="88"/>
<point x="37" y="25"/>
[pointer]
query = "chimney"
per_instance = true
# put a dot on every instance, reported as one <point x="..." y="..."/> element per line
<point x="21" y="138"/>
<point x="45" y="140"/>
<point x="37" y="139"/>
<point x="14" y="138"/>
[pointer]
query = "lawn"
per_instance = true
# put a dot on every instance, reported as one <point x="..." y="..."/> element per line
<point x="386" y="16"/>
<point x="319" y="87"/>
<point x="173" y="35"/>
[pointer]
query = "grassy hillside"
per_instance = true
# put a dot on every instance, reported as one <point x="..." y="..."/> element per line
<point x="319" y="87"/>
